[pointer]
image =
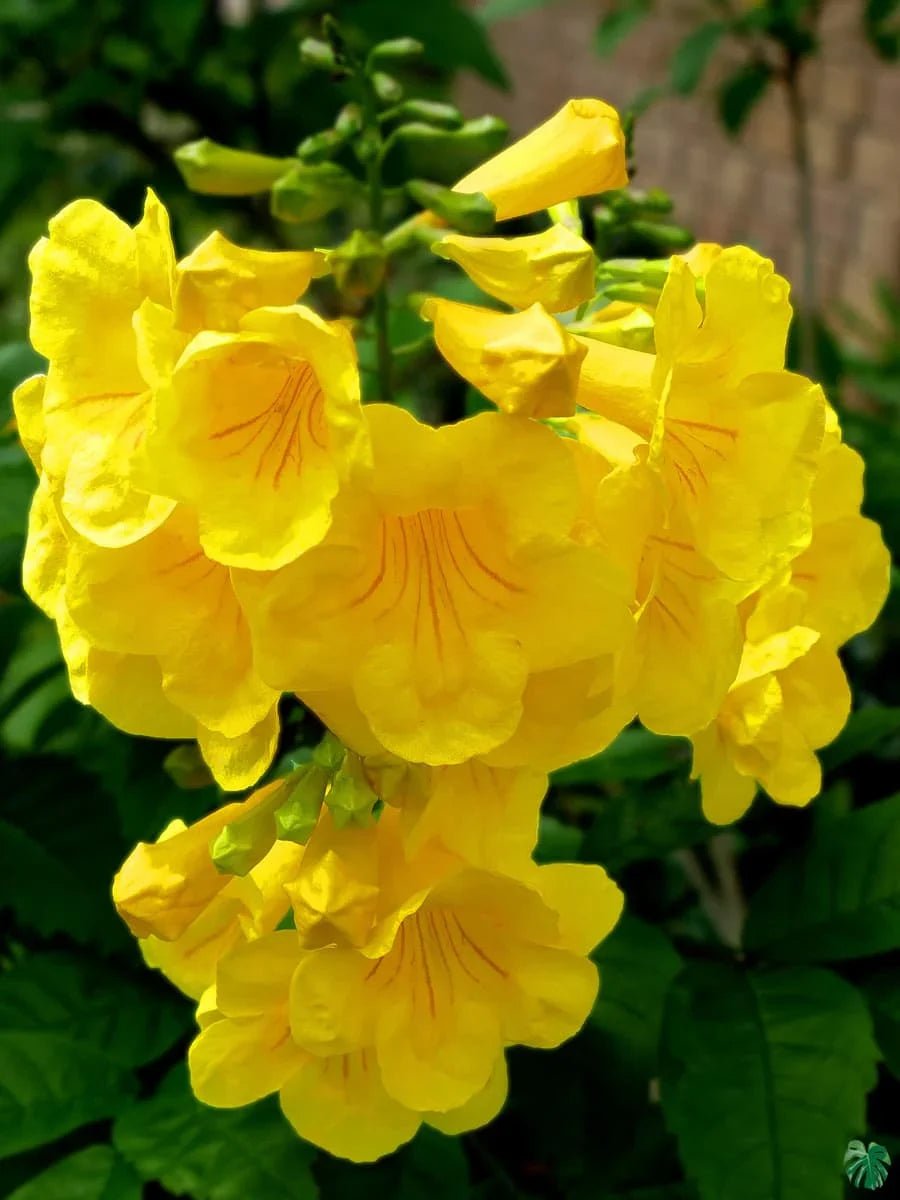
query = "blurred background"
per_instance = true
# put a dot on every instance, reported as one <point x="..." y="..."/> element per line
<point x="772" y="123"/>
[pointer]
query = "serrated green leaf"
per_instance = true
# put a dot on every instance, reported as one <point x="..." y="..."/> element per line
<point x="690" y="60"/>
<point x="637" y="964"/>
<point x="132" y="1020"/>
<point x="740" y="93"/>
<point x="214" y="1154"/>
<point x="764" y="1079"/>
<point x="52" y="1084"/>
<point x="838" y="897"/>
<point x="97" y="1173"/>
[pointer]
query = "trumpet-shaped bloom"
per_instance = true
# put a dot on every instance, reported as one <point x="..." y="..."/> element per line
<point x="459" y="962"/>
<point x="844" y="574"/>
<point x="154" y="638"/>
<point x="245" y="1051"/>
<point x="734" y="436"/>
<point x="438" y="593"/>
<point x="553" y="268"/>
<point x="524" y="362"/>
<point x="186" y="913"/>
<point x="256" y="430"/>
<point x="90" y="278"/>
<point x="688" y="639"/>
<point x="789" y="699"/>
<point x="579" y="151"/>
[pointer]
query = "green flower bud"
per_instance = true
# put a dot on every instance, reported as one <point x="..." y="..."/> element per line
<point x="396" y="50"/>
<point x="317" y="54"/>
<point x="669" y="237"/>
<point x="311" y="190"/>
<point x="329" y="754"/>
<point x="246" y="841"/>
<point x="351" y="798"/>
<point x="349" y="120"/>
<point x="297" y="816"/>
<point x="321" y="146"/>
<point x="432" y="111"/>
<point x="358" y="264"/>
<point x="472" y="213"/>
<point x="387" y="88"/>
<point x="420" y="151"/>
<point x="215" y="170"/>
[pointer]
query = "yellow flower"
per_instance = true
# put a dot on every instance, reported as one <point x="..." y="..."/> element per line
<point x="245" y="1051"/>
<point x="579" y="151"/>
<point x="789" y="699"/>
<point x="185" y="912"/>
<point x="733" y="435"/>
<point x="553" y="268"/>
<point x="90" y="278"/>
<point x="844" y="575"/>
<point x="524" y="362"/>
<point x="438" y="592"/>
<point x="256" y="430"/>
<point x="154" y="638"/>
<point x="460" y="962"/>
<point x="371" y="1029"/>
<point x="688" y="639"/>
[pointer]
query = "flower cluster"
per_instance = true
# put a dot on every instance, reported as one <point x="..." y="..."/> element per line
<point x="660" y="522"/>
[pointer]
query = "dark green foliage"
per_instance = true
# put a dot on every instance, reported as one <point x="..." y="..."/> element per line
<point x="764" y="1079"/>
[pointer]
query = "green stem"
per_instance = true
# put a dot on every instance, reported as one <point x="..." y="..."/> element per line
<point x="805" y="213"/>
<point x="380" y="307"/>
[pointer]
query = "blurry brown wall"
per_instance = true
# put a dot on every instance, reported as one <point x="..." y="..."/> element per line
<point x="733" y="190"/>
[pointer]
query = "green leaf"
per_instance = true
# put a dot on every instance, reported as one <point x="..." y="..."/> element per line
<point x="882" y="991"/>
<point x="60" y="846"/>
<point x="638" y="821"/>
<point x="558" y="841"/>
<point x="635" y="754"/>
<point x="17" y="362"/>
<point x="740" y="92"/>
<point x="53" y="1084"/>
<point x="764" y="1080"/>
<point x="501" y="10"/>
<point x="617" y="24"/>
<point x="214" y="1154"/>
<point x="434" y="1168"/>
<point x="690" y="60"/>
<point x="837" y="898"/>
<point x="453" y="37"/>
<point x="637" y="964"/>
<point x="80" y="997"/>
<point x="97" y="1173"/>
<point x="866" y="728"/>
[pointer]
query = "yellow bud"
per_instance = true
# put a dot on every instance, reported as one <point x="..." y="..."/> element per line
<point x="580" y="151"/>
<point x="554" y="268"/>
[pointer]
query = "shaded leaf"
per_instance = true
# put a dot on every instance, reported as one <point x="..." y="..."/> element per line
<point x="133" y="1021"/>
<point x="637" y="964"/>
<point x="838" y="897"/>
<point x="635" y="754"/>
<point x="434" y="1167"/>
<point x="53" y="1084"/>
<point x="616" y="25"/>
<point x="642" y="821"/>
<point x="557" y="841"/>
<point x="690" y="60"/>
<point x="764" y="1079"/>
<point x="740" y="93"/>
<point x="882" y="991"/>
<point x="864" y="731"/>
<point x="214" y="1154"/>
<point x="97" y="1173"/>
